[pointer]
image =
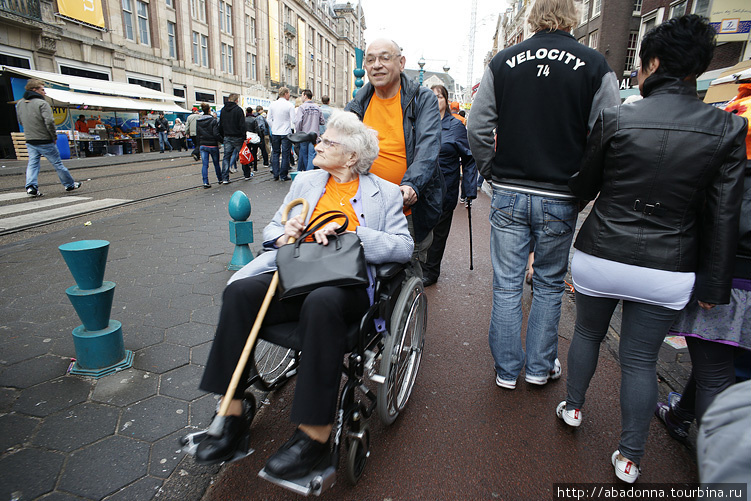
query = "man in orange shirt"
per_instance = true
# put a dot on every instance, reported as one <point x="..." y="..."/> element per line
<point x="455" y="113"/>
<point x="409" y="136"/>
<point x="82" y="126"/>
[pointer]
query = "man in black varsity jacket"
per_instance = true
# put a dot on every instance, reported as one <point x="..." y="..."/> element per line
<point x="541" y="97"/>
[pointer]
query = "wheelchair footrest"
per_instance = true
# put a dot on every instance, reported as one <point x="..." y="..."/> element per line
<point x="315" y="482"/>
<point x="190" y="443"/>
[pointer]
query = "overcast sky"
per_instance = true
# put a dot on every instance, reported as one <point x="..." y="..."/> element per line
<point x="437" y="30"/>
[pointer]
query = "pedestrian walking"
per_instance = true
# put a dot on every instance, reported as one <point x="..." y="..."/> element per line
<point x="280" y="119"/>
<point x="179" y="130"/>
<point x="308" y="119"/>
<point x="253" y="139"/>
<point x="191" y="126"/>
<point x="326" y="111"/>
<point x="262" y="129"/>
<point x="35" y="116"/>
<point x="456" y="163"/>
<point x="232" y="128"/>
<point x="536" y="154"/>
<point x="162" y="128"/>
<point x="391" y="103"/>
<point x="207" y="127"/>
<point x="667" y="172"/>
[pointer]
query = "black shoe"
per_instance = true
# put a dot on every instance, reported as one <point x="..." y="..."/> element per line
<point x="226" y="181"/>
<point x="428" y="281"/>
<point x="285" y="179"/>
<point x="32" y="191"/>
<point x="298" y="457"/>
<point x="276" y="179"/>
<point x="75" y="186"/>
<point x="234" y="436"/>
<point x="161" y="151"/>
<point x="207" y="185"/>
<point x="195" y="157"/>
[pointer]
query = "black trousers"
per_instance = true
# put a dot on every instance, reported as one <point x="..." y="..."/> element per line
<point x="323" y="317"/>
<point x="196" y="146"/>
<point x="264" y="152"/>
<point x="431" y="268"/>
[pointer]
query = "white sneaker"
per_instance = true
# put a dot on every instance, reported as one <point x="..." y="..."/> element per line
<point x="571" y="418"/>
<point x="555" y="373"/>
<point x="625" y="469"/>
<point x="509" y="384"/>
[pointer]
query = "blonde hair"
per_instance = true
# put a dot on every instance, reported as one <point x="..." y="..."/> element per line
<point x="553" y="15"/>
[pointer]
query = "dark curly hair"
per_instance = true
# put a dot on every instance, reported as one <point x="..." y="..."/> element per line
<point x="684" y="45"/>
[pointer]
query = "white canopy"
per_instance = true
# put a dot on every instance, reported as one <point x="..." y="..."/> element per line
<point x="65" y="97"/>
<point x="105" y="87"/>
<point x="735" y="77"/>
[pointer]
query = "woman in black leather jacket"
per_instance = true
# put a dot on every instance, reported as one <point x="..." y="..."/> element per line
<point x="669" y="171"/>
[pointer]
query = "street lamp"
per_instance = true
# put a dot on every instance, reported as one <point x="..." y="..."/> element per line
<point x="421" y="64"/>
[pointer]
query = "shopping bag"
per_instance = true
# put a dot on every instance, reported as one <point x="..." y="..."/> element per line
<point x="246" y="157"/>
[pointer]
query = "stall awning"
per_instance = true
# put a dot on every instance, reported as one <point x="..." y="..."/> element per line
<point x="64" y="98"/>
<point x="105" y="87"/>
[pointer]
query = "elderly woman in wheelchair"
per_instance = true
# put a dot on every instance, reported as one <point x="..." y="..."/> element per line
<point x="345" y="153"/>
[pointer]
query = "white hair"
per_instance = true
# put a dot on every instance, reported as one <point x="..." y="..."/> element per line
<point x="356" y="137"/>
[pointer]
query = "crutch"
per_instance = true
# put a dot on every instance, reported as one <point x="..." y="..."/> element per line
<point x="469" y="218"/>
<point x="218" y="423"/>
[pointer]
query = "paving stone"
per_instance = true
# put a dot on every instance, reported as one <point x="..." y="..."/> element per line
<point x="143" y="489"/>
<point x="192" y="260"/>
<point x="34" y="371"/>
<point x="216" y="267"/>
<point x="207" y="315"/>
<point x="104" y="467"/>
<point x="171" y="291"/>
<point x="21" y="344"/>
<point x="52" y="396"/>
<point x="137" y="337"/>
<point x="191" y="334"/>
<point x="153" y="418"/>
<point x="167" y="317"/>
<point x="190" y="278"/>
<point x="61" y="496"/>
<point x="129" y="293"/>
<point x="166" y="454"/>
<point x="202" y="411"/>
<point x="77" y="426"/>
<point x="199" y="355"/>
<point x="10" y="314"/>
<point x="182" y="383"/>
<point x="153" y="280"/>
<point x="161" y="358"/>
<point x="29" y="473"/>
<point x="7" y="397"/>
<point x="125" y="387"/>
<point x="174" y="269"/>
<point x="15" y="429"/>
<point x="191" y="301"/>
<point x="50" y="312"/>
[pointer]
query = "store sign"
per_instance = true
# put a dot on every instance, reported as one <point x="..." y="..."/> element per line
<point x="731" y="19"/>
<point x="252" y="102"/>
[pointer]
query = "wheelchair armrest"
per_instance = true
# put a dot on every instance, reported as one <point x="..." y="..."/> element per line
<point x="387" y="271"/>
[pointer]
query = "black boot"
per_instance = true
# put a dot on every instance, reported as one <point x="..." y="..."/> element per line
<point x="233" y="436"/>
<point x="298" y="457"/>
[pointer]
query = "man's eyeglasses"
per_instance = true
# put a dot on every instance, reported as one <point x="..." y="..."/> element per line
<point x="327" y="143"/>
<point x="385" y="58"/>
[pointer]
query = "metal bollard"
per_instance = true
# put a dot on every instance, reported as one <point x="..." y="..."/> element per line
<point x="99" y="341"/>
<point x="240" y="230"/>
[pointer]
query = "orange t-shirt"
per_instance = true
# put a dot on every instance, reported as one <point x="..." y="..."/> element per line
<point x="385" y="116"/>
<point x="337" y="196"/>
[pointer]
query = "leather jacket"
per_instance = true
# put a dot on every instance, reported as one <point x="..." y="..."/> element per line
<point x="669" y="172"/>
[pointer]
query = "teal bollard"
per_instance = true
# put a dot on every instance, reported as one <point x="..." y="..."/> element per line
<point x="240" y="230"/>
<point x="99" y="341"/>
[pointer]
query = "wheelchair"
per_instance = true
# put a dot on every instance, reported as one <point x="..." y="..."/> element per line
<point x="387" y="354"/>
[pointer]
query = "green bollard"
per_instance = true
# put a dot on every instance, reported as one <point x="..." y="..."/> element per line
<point x="240" y="230"/>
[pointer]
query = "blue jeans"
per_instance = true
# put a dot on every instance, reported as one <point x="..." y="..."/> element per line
<point x="280" y="144"/>
<point x="163" y="140"/>
<point x="212" y="151"/>
<point x="519" y="220"/>
<point x="232" y="147"/>
<point x="643" y="327"/>
<point x="51" y="153"/>
<point x="307" y="153"/>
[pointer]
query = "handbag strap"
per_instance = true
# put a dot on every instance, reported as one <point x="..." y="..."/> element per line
<point x="322" y="220"/>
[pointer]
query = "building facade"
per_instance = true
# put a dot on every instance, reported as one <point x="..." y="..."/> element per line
<point x="201" y="50"/>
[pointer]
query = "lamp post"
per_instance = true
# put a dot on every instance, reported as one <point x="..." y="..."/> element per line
<point x="421" y="63"/>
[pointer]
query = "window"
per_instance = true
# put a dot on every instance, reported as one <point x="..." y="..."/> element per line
<point x="145" y="83"/>
<point x="227" y="59"/>
<point x="585" y="11"/>
<point x="247" y="28"/>
<point x="178" y="92"/>
<point x="596" y="7"/>
<point x="701" y="7"/>
<point x="128" y="20"/>
<point x="252" y="30"/>
<point x="225" y="17"/>
<point x="13" y="60"/>
<point x="142" y="12"/>
<point x="171" y="39"/>
<point x="678" y="10"/>
<point x="204" y="97"/>
<point x="633" y="40"/>
<point x="637" y="5"/>
<point x="593" y="38"/>
<point x="169" y="3"/>
<point x="253" y="67"/>
<point x="204" y="51"/>
<point x="196" y="50"/>
<point x="583" y="40"/>
<point x="80" y="72"/>
<point x="198" y="9"/>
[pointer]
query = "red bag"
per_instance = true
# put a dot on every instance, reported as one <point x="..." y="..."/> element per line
<point x="246" y="157"/>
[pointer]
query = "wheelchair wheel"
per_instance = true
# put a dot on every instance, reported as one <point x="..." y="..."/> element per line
<point x="272" y="363"/>
<point x="402" y="350"/>
<point x="357" y="455"/>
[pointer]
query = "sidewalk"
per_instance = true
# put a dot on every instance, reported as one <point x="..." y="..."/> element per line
<point x="116" y="438"/>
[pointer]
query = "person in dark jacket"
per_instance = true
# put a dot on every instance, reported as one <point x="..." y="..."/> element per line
<point x="251" y="126"/>
<point x="538" y="150"/>
<point x="669" y="173"/>
<point x="207" y="127"/>
<point x="162" y="128"/>
<point x="232" y="128"/>
<point x="391" y="101"/>
<point x="262" y="129"/>
<point x="456" y="162"/>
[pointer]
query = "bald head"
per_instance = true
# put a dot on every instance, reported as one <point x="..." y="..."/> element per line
<point x="384" y="64"/>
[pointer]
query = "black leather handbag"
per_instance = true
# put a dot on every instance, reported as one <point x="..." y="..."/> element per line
<point x="305" y="266"/>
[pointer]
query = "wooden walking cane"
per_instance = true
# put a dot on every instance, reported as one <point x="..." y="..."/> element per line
<point x="216" y="429"/>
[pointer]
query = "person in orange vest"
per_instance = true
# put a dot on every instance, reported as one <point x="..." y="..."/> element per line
<point x="455" y="113"/>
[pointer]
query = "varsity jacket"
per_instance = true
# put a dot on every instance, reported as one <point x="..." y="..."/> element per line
<point x="542" y="96"/>
<point x="422" y="141"/>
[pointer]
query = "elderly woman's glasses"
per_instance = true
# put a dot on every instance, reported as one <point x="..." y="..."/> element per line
<point x="326" y="142"/>
<point x="384" y="58"/>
